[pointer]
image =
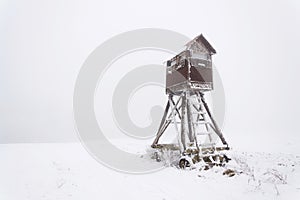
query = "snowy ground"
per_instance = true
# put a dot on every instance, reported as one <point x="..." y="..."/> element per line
<point x="67" y="171"/>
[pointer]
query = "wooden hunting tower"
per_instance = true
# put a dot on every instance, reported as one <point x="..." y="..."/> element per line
<point x="188" y="76"/>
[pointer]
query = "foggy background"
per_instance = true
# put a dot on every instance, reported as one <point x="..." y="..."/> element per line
<point x="44" y="43"/>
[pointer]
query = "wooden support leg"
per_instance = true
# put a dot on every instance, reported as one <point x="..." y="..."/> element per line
<point x="162" y="124"/>
<point x="214" y="123"/>
<point x="190" y="121"/>
<point x="183" y="119"/>
<point x="166" y="120"/>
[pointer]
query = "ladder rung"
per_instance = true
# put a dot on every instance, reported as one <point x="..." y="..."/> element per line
<point x="202" y="122"/>
<point x="200" y="112"/>
<point x="204" y="133"/>
<point x="197" y="103"/>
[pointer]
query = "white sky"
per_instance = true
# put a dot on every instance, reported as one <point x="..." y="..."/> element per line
<point x="44" y="43"/>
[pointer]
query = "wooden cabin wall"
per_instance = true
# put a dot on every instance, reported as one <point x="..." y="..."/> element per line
<point x="201" y="74"/>
<point x="177" y="76"/>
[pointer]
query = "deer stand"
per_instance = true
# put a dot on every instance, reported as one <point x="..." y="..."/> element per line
<point x="196" y="129"/>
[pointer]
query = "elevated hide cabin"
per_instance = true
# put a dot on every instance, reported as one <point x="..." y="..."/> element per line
<point x="192" y="68"/>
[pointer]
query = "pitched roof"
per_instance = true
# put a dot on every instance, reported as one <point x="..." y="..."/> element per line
<point x="201" y="39"/>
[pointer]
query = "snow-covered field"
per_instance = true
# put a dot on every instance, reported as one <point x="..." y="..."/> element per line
<point x="67" y="171"/>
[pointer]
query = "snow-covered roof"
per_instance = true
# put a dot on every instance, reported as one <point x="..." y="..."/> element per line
<point x="201" y="40"/>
